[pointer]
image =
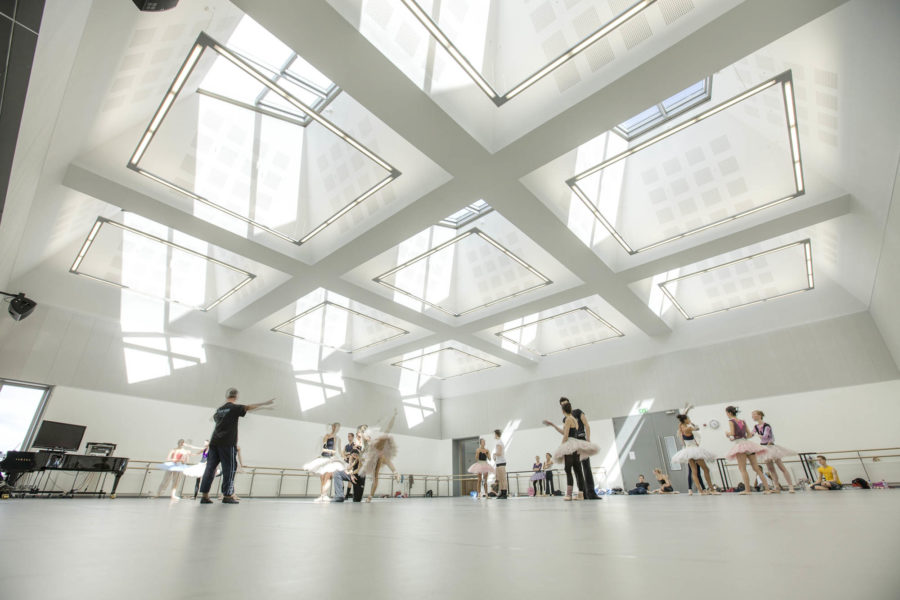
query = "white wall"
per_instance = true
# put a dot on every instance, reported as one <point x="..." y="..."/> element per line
<point x="887" y="280"/>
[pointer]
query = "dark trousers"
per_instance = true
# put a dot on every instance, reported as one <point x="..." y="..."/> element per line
<point x="538" y="486"/>
<point x="359" y="487"/>
<point x="226" y="456"/>
<point x="548" y="481"/>
<point x="699" y="478"/>
<point x="588" y="479"/>
<point x="574" y="465"/>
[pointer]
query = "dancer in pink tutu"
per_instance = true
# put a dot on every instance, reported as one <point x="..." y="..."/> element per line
<point x="744" y="450"/>
<point x="382" y="451"/>
<point x="572" y="450"/>
<point x="692" y="454"/>
<point x="774" y="453"/>
<point x="482" y="468"/>
<point x="328" y="462"/>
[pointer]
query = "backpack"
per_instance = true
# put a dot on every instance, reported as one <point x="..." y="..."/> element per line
<point x="861" y="483"/>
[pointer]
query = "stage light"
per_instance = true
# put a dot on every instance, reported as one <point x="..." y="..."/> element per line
<point x="20" y="306"/>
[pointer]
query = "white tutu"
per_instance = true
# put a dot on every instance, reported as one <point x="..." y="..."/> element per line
<point x="573" y="445"/>
<point x="689" y="453"/>
<point x="196" y="470"/>
<point x="538" y="476"/>
<point x="172" y="466"/>
<point x="325" y="464"/>
<point x="481" y="467"/>
<point x="746" y="447"/>
<point x="775" y="452"/>
<point x="383" y="446"/>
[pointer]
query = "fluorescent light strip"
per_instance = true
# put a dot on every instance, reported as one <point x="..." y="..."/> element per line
<point x="419" y="358"/>
<point x="807" y="244"/>
<point x="326" y="304"/>
<point x="616" y="332"/>
<point x="785" y="80"/>
<point x="347" y="208"/>
<point x="104" y="221"/>
<point x="437" y="248"/>
<point x="264" y="109"/>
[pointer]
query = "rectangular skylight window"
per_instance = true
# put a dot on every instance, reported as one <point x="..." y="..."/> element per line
<point x="500" y="98"/>
<point x="729" y="174"/>
<point x="445" y="363"/>
<point x="335" y="326"/>
<point x="224" y="177"/>
<point x="480" y="270"/>
<point x="760" y="277"/>
<point x="570" y="329"/>
<point x="666" y="110"/>
<point x="157" y="267"/>
<point x="466" y="215"/>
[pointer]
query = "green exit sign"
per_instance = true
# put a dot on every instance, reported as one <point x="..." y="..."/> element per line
<point x="642" y="411"/>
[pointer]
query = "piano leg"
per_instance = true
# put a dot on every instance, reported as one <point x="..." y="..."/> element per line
<point x="112" y="494"/>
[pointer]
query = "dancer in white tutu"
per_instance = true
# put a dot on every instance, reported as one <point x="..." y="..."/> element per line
<point x="381" y="451"/>
<point x="572" y="450"/>
<point x="482" y="468"/>
<point x="774" y="453"/>
<point x="744" y="450"/>
<point x="175" y="465"/>
<point x="692" y="454"/>
<point x="327" y="463"/>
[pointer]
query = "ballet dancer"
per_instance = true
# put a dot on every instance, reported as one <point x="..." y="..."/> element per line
<point x="744" y="450"/>
<point x="774" y="453"/>
<point x="549" y="488"/>
<point x="692" y="454"/>
<point x="500" y="466"/>
<point x="665" y="486"/>
<point x="482" y="468"/>
<point x="223" y="443"/>
<point x="381" y="451"/>
<point x="584" y="433"/>
<point x="175" y="465"/>
<point x="572" y="450"/>
<point x="537" y="478"/>
<point x="327" y="463"/>
<point x="347" y="453"/>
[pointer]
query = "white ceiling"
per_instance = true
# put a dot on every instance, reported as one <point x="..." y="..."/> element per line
<point x="408" y="102"/>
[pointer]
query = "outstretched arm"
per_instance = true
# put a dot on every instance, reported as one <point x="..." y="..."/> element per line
<point x="268" y="402"/>
<point x="390" y="424"/>
<point x="554" y="426"/>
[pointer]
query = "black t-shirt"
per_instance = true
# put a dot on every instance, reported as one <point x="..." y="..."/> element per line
<point x="577" y="413"/>
<point x="642" y="484"/>
<point x="226" y="430"/>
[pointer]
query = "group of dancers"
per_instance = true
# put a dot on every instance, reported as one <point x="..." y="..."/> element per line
<point x="363" y="456"/>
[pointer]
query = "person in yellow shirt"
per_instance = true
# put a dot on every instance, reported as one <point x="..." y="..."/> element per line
<point x="828" y="477"/>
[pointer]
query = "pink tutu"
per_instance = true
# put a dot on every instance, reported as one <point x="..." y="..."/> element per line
<point x="539" y="476"/>
<point x="481" y="467"/>
<point x="746" y="447"/>
<point x="774" y="452"/>
<point x="573" y="445"/>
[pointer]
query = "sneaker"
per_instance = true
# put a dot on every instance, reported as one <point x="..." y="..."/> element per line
<point x="228" y="500"/>
<point x="205" y="501"/>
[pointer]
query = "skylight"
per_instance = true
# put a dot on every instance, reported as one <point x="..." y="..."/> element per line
<point x="305" y="83"/>
<point x="669" y="108"/>
<point x="466" y="215"/>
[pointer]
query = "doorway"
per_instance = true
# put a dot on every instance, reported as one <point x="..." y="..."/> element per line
<point x="646" y="441"/>
<point x="463" y="456"/>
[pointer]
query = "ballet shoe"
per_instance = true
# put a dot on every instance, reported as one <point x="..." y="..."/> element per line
<point x="691" y="492"/>
<point x="792" y="491"/>
<point x="567" y="498"/>
<point x="744" y="493"/>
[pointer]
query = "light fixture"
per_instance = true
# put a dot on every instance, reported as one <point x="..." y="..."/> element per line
<point x="483" y="364"/>
<point x="808" y="266"/>
<point x="544" y="281"/>
<point x="247" y="277"/>
<point x="507" y="334"/>
<point x="205" y="42"/>
<point x="496" y="97"/>
<point x="20" y="306"/>
<point x="325" y="305"/>
<point x="785" y="80"/>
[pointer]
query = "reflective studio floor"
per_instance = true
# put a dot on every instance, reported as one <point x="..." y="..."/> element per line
<point x="806" y="545"/>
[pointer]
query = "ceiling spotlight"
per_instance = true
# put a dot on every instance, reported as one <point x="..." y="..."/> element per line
<point x="20" y="306"/>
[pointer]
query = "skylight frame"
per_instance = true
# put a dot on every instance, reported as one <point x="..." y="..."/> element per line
<point x="499" y="99"/>
<point x="206" y="42"/>
<point x="473" y="211"/>
<point x="101" y="221"/>
<point x="784" y="79"/>
<point x="491" y="364"/>
<point x="326" y="96"/>
<point x="665" y="114"/>
<point x="807" y="244"/>
<point x="324" y="304"/>
<point x="545" y="281"/>
<point x="537" y="352"/>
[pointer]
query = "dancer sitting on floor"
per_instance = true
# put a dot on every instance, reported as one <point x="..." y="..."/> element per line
<point x="665" y="486"/>
<point x="744" y="451"/>
<point x="482" y="468"/>
<point x="692" y="454"/>
<point x="641" y="488"/>
<point x="382" y="451"/>
<point x="774" y="453"/>
<point x="572" y="450"/>
<point x="537" y="478"/>
<point x="828" y="477"/>
<point x="328" y="462"/>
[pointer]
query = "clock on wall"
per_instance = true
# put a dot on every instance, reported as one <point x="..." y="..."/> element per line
<point x="713" y="424"/>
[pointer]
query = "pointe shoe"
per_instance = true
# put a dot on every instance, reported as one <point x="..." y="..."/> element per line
<point x="369" y="499"/>
<point x="791" y="490"/>
<point x="567" y="498"/>
<point x="691" y="492"/>
<point x="581" y="495"/>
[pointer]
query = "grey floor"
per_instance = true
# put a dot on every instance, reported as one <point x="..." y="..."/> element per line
<point x="842" y="544"/>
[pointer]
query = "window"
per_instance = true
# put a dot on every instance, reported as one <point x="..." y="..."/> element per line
<point x="21" y="407"/>
<point x="666" y="110"/>
<point x="466" y="215"/>
<point x="304" y="82"/>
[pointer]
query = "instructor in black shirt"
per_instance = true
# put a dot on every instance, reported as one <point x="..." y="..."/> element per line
<point x="223" y="446"/>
